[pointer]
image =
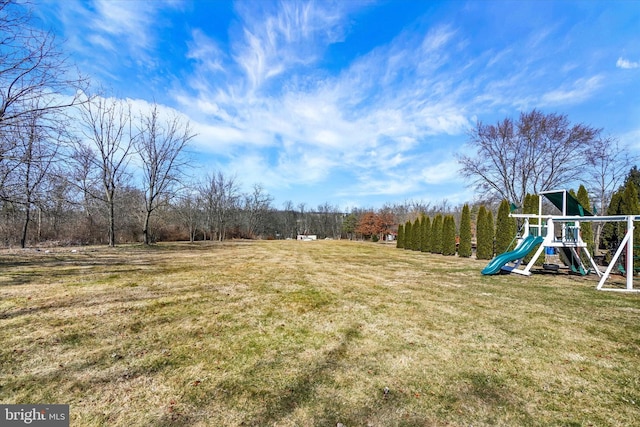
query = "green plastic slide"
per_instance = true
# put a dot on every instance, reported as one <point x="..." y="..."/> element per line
<point x="520" y="251"/>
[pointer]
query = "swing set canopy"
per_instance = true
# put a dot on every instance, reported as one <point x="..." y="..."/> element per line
<point x="566" y="203"/>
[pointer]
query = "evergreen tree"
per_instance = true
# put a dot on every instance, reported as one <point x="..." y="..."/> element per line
<point x="421" y="233"/>
<point x="622" y="203"/>
<point x="400" y="238"/>
<point x="491" y="231"/>
<point x="475" y="209"/>
<point x="423" y="236"/>
<point x="464" y="248"/>
<point x="436" y="235"/>
<point x="630" y="206"/>
<point x="426" y="230"/>
<point x="415" y="235"/>
<point x="483" y="237"/>
<point x="586" y="231"/>
<point x="485" y="234"/>
<point x="615" y="203"/>
<point x="412" y="237"/>
<point x="449" y="236"/>
<point x="634" y="178"/>
<point x="613" y="232"/>
<point x="505" y="229"/>
<point x="407" y="235"/>
<point x="530" y="206"/>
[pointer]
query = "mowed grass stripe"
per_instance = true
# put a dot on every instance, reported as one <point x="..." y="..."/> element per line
<point x="310" y="333"/>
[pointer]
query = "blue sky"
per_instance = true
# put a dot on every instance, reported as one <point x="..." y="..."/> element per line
<point x="357" y="103"/>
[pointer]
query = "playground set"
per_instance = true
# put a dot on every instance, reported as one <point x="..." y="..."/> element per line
<point x="561" y="234"/>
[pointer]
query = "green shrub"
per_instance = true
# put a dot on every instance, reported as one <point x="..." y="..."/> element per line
<point x="436" y="235"/>
<point x="407" y="235"/>
<point x="464" y="248"/>
<point x="449" y="236"/>
<point x="586" y="229"/>
<point x="484" y="234"/>
<point x="505" y="229"/>
<point x="415" y="235"/>
<point x="426" y="234"/>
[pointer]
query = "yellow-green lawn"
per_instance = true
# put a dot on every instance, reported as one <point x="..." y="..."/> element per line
<point x="292" y="333"/>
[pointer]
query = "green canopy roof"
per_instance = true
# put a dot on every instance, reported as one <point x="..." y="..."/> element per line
<point x="573" y="206"/>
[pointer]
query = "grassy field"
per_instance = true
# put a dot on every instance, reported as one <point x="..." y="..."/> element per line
<point x="311" y="334"/>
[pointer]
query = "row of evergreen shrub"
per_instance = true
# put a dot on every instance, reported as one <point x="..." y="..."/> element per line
<point x="439" y="236"/>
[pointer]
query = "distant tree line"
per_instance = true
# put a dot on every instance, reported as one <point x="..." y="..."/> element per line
<point x="78" y="166"/>
<point x="474" y="229"/>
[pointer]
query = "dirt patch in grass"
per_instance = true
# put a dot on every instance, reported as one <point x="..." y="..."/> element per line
<point x="310" y="333"/>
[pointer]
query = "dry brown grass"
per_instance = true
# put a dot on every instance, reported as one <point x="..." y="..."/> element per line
<point x="310" y="333"/>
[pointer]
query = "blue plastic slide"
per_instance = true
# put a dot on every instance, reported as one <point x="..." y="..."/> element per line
<point x="520" y="251"/>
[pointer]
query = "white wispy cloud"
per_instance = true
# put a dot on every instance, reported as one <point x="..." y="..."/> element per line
<point x="206" y="52"/>
<point x="578" y="91"/>
<point x="369" y="116"/>
<point x="129" y="21"/>
<point x="443" y="172"/>
<point x="626" y="64"/>
<point x="110" y="34"/>
<point x="293" y="33"/>
<point x="267" y="109"/>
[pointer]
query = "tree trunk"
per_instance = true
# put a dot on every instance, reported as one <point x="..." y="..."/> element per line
<point x="39" y="224"/>
<point x="145" y="229"/>
<point x="25" y="227"/>
<point x="112" y="221"/>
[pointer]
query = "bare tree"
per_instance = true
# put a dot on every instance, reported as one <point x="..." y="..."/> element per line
<point x="329" y="221"/>
<point x="256" y="206"/>
<point x="83" y="176"/>
<point x="9" y="162"/>
<point x="60" y="206"/>
<point x="189" y="212"/>
<point x="404" y="211"/>
<point x="34" y="75"/>
<point x="36" y="152"/>
<point x="220" y="196"/>
<point x="37" y="85"/>
<point x="289" y="220"/>
<point x="302" y="223"/>
<point x="160" y="146"/>
<point x="609" y="163"/>
<point x="104" y="153"/>
<point x="538" y="152"/>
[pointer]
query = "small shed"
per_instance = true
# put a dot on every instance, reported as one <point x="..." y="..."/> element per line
<point x="307" y="237"/>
